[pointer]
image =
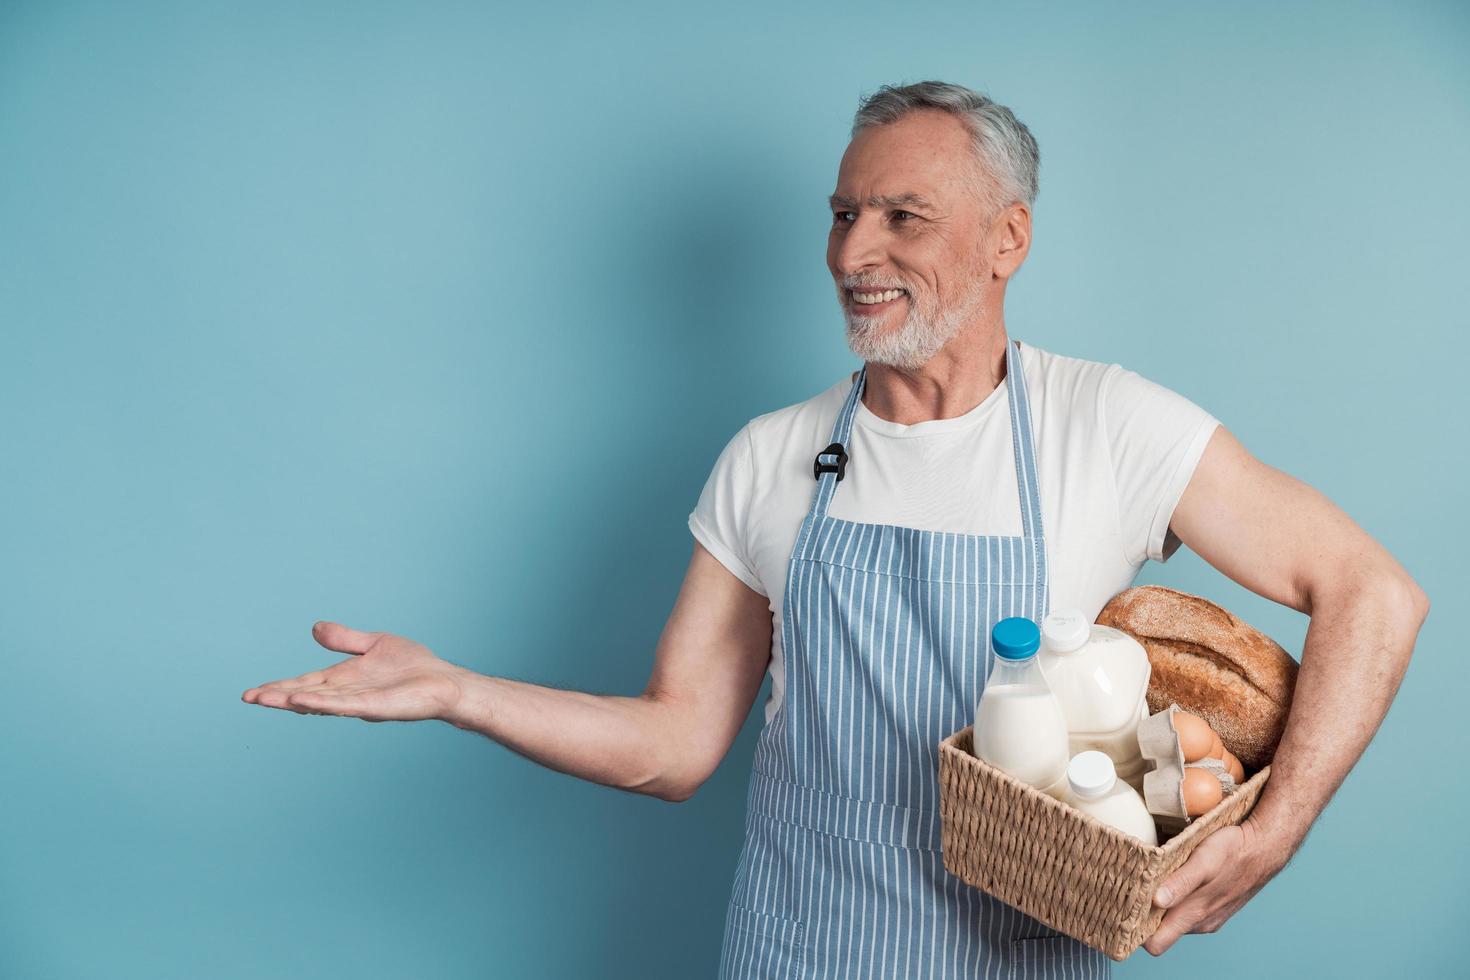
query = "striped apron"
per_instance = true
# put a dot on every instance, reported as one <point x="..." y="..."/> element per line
<point x="886" y="637"/>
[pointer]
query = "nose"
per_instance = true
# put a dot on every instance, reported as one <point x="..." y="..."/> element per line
<point x="858" y="245"/>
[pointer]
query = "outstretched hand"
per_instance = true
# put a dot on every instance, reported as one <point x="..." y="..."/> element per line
<point x="387" y="678"/>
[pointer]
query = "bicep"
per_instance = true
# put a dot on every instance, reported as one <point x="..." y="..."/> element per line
<point x="711" y="658"/>
<point x="1265" y="529"/>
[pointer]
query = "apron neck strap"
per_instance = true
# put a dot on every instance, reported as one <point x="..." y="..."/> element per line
<point x="831" y="463"/>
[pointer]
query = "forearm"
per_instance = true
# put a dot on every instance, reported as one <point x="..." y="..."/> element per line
<point x="623" y="742"/>
<point x="1361" y="635"/>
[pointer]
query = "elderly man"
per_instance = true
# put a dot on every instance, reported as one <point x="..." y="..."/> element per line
<point x="860" y="545"/>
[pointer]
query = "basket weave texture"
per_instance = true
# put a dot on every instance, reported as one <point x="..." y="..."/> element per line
<point x="1057" y="864"/>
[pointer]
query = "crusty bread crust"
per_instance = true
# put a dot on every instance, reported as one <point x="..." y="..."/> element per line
<point x="1212" y="664"/>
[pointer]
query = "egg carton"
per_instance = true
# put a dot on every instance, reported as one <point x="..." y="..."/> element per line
<point x="1163" y="786"/>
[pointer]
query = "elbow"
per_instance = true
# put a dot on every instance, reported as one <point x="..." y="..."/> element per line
<point x="1389" y="587"/>
<point x="670" y="783"/>
<point x="670" y="789"/>
<point x="677" y="763"/>
<point x="661" y="788"/>
<point x="1418" y="601"/>
<point x="677" y="794"/>
<point x="1405" y="600"/>
<point x="681" y="783"/>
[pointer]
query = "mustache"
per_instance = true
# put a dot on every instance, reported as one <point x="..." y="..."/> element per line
<point x="865" y="285"/>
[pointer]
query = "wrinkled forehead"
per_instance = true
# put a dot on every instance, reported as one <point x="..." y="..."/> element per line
<point x="907" y="200"/>
<point x="924" y="159"/>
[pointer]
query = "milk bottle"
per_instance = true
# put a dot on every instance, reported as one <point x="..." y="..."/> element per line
<point x="1100" y="678"/>
<point x="1019" y="727"/>
<point x="1094" y="789"/>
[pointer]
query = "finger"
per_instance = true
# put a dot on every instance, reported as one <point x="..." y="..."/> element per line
<point x="287" y="684"/>
<point x="343" y="639"/>
<point x="1206" y="861"/>
<point x="322" y="702"/>
<point x="1181" y="893"/>
<point x="292" y="683"/>
<point x="273" y="697"/>
<point x="1205" y="911"/>
<point x="1176" y="923"/>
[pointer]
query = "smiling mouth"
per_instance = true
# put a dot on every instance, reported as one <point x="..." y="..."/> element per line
<point x="874" y="301"/>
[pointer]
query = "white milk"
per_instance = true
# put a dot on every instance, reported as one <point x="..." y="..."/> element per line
<point x="1100" y="678"/>
<point x="1019" y="726"/>
<point x="1093" y="789"/>
<point x="1020" y="730"/>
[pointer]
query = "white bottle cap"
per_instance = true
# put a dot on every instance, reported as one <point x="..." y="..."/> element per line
<point x="1091" y="774"/>
<point x="1065" y="630"/>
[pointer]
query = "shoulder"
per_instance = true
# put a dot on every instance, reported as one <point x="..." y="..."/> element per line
<point x="1066" y="383"/>
<point x="1116" y="393"/>
<point x="797" y="422"/>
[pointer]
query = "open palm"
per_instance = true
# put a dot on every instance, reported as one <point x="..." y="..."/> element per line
<point x="388" y="678"/>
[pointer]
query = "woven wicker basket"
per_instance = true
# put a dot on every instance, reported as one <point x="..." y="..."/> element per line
<point x="1055" y="863"/>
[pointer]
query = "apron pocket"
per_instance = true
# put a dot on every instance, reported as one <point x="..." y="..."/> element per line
<point x="765" y="946"/>
<point x="1047" y="956"/>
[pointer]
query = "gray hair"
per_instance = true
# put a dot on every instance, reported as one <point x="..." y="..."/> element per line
<point x="1005" y="148"/>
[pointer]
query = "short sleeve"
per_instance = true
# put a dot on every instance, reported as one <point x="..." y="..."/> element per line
<point x="1155" y="437"/>
<point x="720" y="520"/>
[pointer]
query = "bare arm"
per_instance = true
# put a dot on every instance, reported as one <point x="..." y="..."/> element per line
<point x="1284" y="540"/>
<point x="664" y="742"/>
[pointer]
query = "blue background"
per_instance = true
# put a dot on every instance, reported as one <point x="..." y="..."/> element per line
<point x="433" y="318"/>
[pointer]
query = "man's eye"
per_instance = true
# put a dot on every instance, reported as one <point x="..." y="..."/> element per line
<point x="838" y="217"/>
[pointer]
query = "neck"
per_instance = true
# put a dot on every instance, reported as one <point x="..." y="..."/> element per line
<point x="951" y="383"/>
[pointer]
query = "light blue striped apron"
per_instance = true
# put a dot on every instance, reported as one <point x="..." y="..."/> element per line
<point x="886" y="639"/>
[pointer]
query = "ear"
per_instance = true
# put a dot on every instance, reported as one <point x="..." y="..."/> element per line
<point x="1012" y="228"/>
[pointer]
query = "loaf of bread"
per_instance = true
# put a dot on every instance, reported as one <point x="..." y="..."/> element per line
<point x="1210" y="663"/>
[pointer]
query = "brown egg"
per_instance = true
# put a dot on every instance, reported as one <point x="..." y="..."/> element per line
<point x="1233" y="766"/>
<point x="1196" y="738"/>
<point x="1201" y="791"/>
<point x="1217" y="747"/>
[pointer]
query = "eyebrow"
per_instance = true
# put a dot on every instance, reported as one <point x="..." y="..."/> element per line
<point x="883" y="201"/>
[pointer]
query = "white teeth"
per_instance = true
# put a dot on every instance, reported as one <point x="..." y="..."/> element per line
<point x="877" y="297"/>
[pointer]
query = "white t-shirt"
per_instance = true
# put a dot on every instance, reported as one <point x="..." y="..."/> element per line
<point x="1114" y="454"/>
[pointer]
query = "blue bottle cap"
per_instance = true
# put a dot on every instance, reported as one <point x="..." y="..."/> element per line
<point x="1015" y="638"/>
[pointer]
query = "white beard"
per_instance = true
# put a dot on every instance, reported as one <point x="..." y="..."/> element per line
<point x="912" y="343"/>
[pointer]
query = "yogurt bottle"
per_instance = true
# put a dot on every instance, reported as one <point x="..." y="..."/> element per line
<point x="1094" y="789"/>
<point x="1100" y="677"/>
<point x="1019" y="726"/>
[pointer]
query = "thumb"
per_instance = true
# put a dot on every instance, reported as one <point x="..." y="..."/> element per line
<point x="1202" y="865"/>
<point x="343" y="639"/>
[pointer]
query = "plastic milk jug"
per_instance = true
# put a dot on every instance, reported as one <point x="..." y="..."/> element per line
<point x="1100" y="677"/>
<point x="1095" y="790"/>
<point x="1019" y="726"/>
